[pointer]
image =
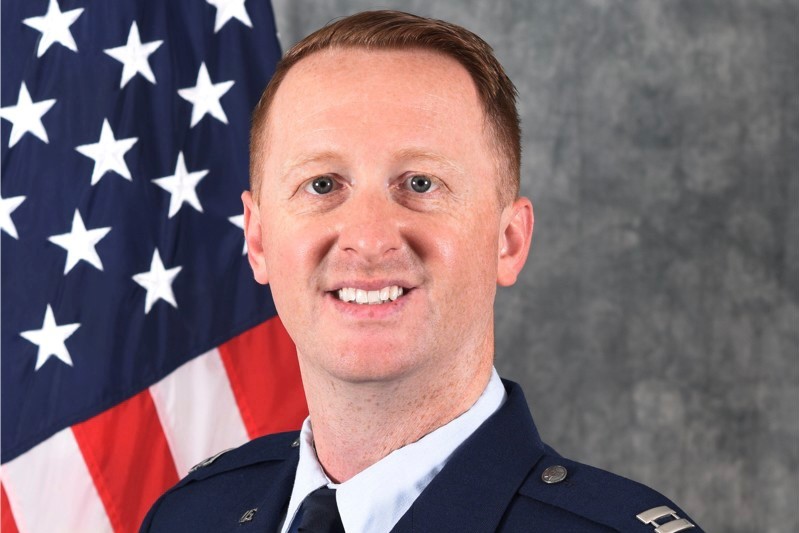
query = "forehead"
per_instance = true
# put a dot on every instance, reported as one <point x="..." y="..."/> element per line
<point x="345" y="60"/>
<point x="395" y="96"/>
<point x="352" y="73"/>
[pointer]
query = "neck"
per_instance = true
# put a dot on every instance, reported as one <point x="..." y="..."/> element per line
<point x="357" y="424"/>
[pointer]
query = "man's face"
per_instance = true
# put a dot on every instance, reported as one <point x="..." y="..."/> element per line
<point x="378" y="178"/>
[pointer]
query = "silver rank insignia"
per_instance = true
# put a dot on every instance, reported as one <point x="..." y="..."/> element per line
<point x="674" y="525"/>
<point x="208" y="461"/>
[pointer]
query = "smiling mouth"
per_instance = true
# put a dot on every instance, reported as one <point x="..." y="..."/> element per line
<point x="376" y="297"/>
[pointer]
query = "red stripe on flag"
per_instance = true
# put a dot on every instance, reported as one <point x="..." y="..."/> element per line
<point x="262" y="367"/>
<point x="128" y="458"/>
<point x="7" y="523"/>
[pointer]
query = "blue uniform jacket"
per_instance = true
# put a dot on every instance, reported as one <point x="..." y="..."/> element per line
<point x="493" y="482"/>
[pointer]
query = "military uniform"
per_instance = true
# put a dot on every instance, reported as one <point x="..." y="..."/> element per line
<point x="503" y="478"/>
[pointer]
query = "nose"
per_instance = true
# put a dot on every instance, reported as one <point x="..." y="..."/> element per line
<point x="370" y="228"/>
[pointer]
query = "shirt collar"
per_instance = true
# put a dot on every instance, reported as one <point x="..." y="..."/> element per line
<point x="375" y="499"/>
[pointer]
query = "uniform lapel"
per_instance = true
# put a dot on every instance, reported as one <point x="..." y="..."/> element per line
<point x="273" y="504"/>
<point x="473" y="490"/>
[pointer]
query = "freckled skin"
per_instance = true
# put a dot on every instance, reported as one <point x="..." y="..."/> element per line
<point x="368" y="122"/>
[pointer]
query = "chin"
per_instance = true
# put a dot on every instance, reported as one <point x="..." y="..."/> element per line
<point x="371" y="364"/>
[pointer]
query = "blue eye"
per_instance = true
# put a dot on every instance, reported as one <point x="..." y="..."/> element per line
<point x="322" y="185"/>
<point x="421" y="184"/>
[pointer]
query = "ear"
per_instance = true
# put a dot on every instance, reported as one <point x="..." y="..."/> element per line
<point x="253" y="234"/>
<point x="514" y="240"/>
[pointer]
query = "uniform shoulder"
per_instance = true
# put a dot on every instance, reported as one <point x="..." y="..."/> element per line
<point x="604" y="498"/>
<point x="276" y="447"/>
<point x="219" y="489"/>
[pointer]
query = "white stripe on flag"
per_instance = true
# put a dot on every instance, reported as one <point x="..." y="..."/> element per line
<point x="50" y="489"/>
<point x="198" y="411"/>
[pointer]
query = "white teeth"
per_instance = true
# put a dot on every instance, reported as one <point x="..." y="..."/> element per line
<point x="359" y="296"/>
<point x="346" y="294"/>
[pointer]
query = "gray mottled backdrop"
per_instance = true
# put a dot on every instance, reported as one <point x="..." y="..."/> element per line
<point x="654" y="328"/>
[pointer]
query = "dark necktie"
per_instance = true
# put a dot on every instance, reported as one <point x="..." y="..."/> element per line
<point x="319" y="513"/>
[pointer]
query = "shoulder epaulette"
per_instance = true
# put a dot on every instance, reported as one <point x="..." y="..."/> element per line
<point x="277" y="447"/>
<point x="603" y="497"/>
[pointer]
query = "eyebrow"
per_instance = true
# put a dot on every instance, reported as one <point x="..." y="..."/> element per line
<point x="421" y="153"/>
<point x="315" y="157"/>
<point x="410" y="153"/>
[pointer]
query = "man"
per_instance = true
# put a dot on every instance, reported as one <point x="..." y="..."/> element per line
<point x="384" y="211"/>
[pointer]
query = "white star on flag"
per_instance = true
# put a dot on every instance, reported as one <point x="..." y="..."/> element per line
<point x="108" y="153"/>
<point x="7" y="206"/>
<point x="133" y="56"/>
<point x="158" y="282"/>
<point x="50" y="339"/>
<point x="54" y="27"/>
<point x="182" y="185"/>
<point x="26" y="116"/>
<point x="79" y="243"/>
<point x="205" y="96"/>
<point x="229" y="9"/>
<point x="238" y="221"/>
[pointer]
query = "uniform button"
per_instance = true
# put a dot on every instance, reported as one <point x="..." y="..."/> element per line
<point x="554" y="474"/>
<point x="295" y="443"/>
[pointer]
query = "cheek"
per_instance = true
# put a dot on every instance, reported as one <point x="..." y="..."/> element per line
<point x="462" y="263"/>
<point x="292" y="247"/>
<point x="288" y="251"/>
<point x="470" y="247"/>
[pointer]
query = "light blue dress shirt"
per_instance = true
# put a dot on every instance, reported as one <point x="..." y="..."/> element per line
<point x="375" y="499"/>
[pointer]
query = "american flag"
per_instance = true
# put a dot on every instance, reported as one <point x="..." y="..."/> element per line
<point x="135" y="342"/>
